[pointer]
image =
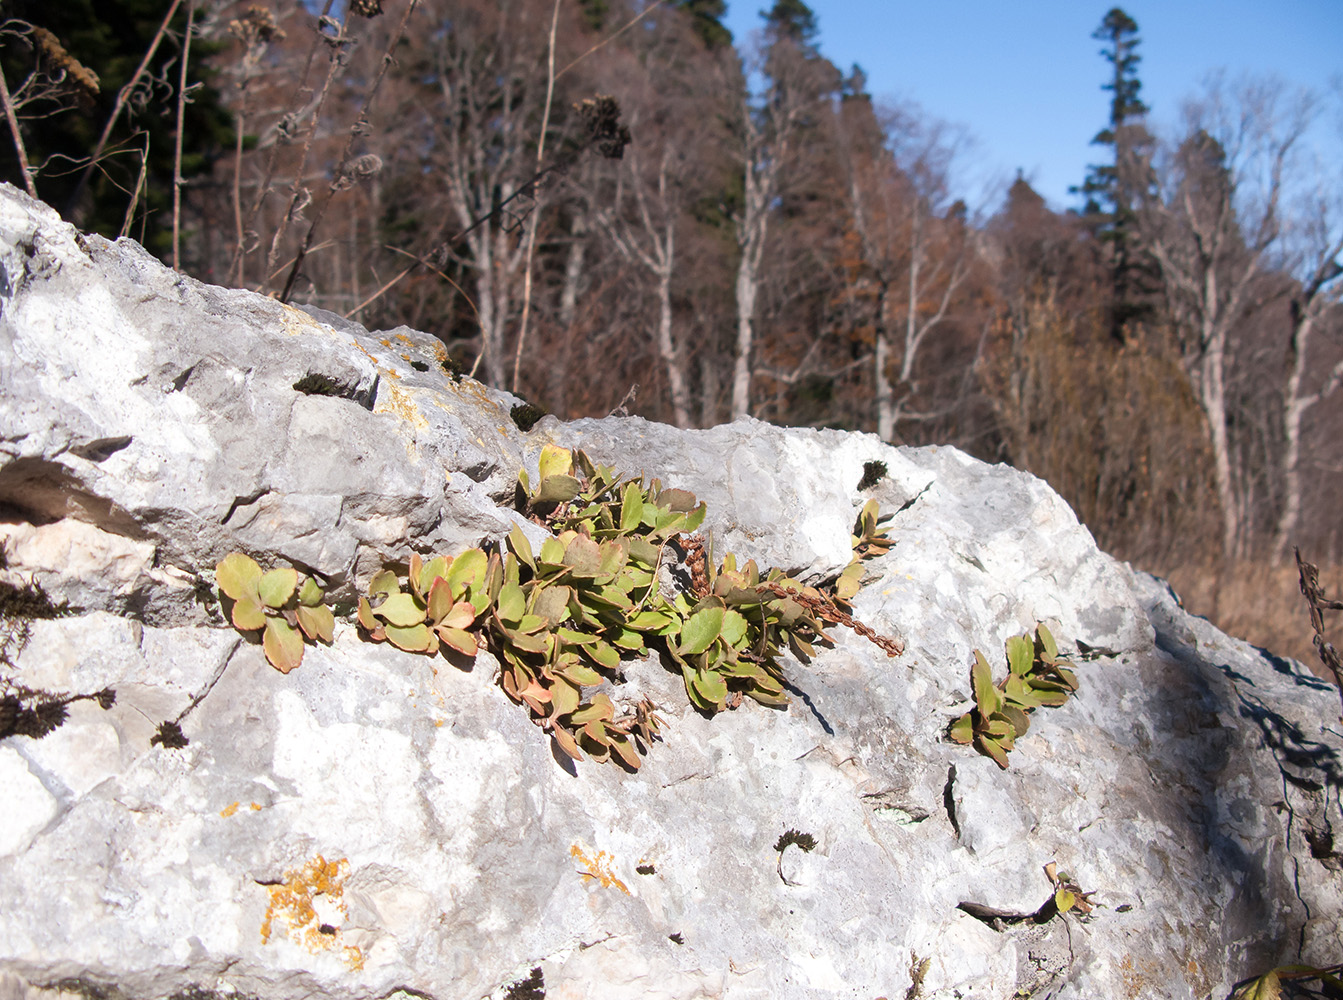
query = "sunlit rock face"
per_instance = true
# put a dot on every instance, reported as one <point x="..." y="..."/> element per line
<point x="377" y="821"/>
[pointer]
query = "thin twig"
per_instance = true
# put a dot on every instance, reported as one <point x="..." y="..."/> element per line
<point x="18" y="139"/>
<point x="263" y="189"/>
<point x="418" y="260"/>
<point x="357" y="129"/>
<point x="123" y="95"/>
<point x="536" y="215"/>
<point x="181" y="121"/>
<point x="1319" y="603"/>
<point x="610" y="38"/>
<point x="135" y="195"/>
<point x="296" y="189"/>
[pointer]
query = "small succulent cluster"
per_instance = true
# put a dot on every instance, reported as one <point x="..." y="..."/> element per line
<point x="441" y="602"/>
<point x="288" y="610"/>
<point x="1036" y="676"/>
<point x="562" y="618"/>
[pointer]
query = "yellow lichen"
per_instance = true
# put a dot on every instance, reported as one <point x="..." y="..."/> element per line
<point x="256" y="807"/>
<point x="598" y="868"/>
<point x="229" y="810"/>
<point x="292" y="901"/>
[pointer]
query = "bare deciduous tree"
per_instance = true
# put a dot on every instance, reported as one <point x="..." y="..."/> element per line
<point x="1212" y="226"/>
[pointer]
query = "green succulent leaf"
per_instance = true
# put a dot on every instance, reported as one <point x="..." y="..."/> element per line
<point x="987" y="697"/>
<point x="283" y="644"/>
<point x="963" y="729"/>
<point x="991" y="748"/>
<point x="1266" y="987"/>
<point x="413" y="638"/>
<point x="1068" y="677"/>
<point x="1019" y="720"/>
<point x="238" y="576"/>
<point x="643" y="551"/>
<point x="512" y="603"/>
<point x="624" y="749"/>
<point x="434" y="569"/>
<point x="1047" y="643"/>
<point x="468" y="571"/>
<point x="555" y="461"/>
<point x="604" y="654"/>
<point x="583" y="557"/>
<point x="1020" y="655"/>
<point x="401" y="610"/>
<point x="581" y="674"/>
<point x="700" y="630"/>
<point x="521" y="547"/>
<point x="564" y="698"/>
<point x="735" y="628"/>
<point x="366" y="617"/>
<point x="458" y="639"/>
<point x="711" y="688"/>
<point x="566" y="742"/>
<point x="631" y="508"/>
<point x="310" y="594"/>
<point x="557" y="489"/>
<point x="599" y="709"/>
<point x="384" y="582"/>
<point x="694" y="519"/>
<point x="1018" y="692"/>
<point x="460" y="616"/>
<point x="276" y="587"/>
<point x="248" y="614"/>
<point x="317" y="622"/>
<point x="439" y="601"/>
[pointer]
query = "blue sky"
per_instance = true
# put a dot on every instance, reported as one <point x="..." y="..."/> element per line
<point x="1024" y="78"/>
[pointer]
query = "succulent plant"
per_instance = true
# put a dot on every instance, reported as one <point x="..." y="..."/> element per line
<point x="289" y="610"/>
<point x="1036" y="676"/>
<point x="441" y="602"/>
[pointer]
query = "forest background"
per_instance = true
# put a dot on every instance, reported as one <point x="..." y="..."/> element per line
<point x="608" y="206"/>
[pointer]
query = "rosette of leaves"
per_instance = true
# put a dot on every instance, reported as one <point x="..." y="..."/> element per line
<point x="731" y="640"/>
<point x="288" y="609"/>
<point x="1036" y="676"/>
<point x="560" y="621"/>
<point x="869" y="541"/>
<point x="442" y="600"/>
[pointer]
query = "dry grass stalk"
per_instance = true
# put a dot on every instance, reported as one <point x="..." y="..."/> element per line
<point x="1319" y="603"/>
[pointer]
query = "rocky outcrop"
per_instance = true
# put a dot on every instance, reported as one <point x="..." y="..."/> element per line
<point x="378" y="821"/>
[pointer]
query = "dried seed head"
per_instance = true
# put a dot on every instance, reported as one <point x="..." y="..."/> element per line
<point x="75" y="71"/>
<point x="360" y="169"/>
<point x="601" y="115"/>
<point x="257" y="25"/>
<point x="366" y="8"/>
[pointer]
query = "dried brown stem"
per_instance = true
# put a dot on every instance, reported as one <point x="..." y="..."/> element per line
<point x="123" y="95"/>
<point x="1319" y="603"/>
<point x="177" y="150"/>
<point x="828" y="611"/>
<point x="18" y="139"/>
<point x="357" y="129"/>
<point x="536" y="216"/>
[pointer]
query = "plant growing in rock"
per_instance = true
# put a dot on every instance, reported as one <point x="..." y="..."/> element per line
<point x="441" y="603"/>
<point x="1036" y="676"/>
<point x="288" y="609"/>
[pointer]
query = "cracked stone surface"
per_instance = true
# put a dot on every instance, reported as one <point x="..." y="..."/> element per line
<point x="377" y="823"/>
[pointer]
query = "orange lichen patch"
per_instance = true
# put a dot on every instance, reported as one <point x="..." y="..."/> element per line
<point x="229" y="810"/>
<point x="399" y="401"/>
<point x="293" y="899"/>
<point x="256" y="807"/>
<point x="296" y="321"/>
<point x="598" y="868"/>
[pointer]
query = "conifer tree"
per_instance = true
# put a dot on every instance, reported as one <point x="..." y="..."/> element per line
<point x="1111" y="189"/>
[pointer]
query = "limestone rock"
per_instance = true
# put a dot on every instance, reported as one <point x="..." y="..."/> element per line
<point x="377" y="822"/>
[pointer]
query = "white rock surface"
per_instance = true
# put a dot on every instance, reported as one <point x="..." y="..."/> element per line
<point x="377" y="822"/>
